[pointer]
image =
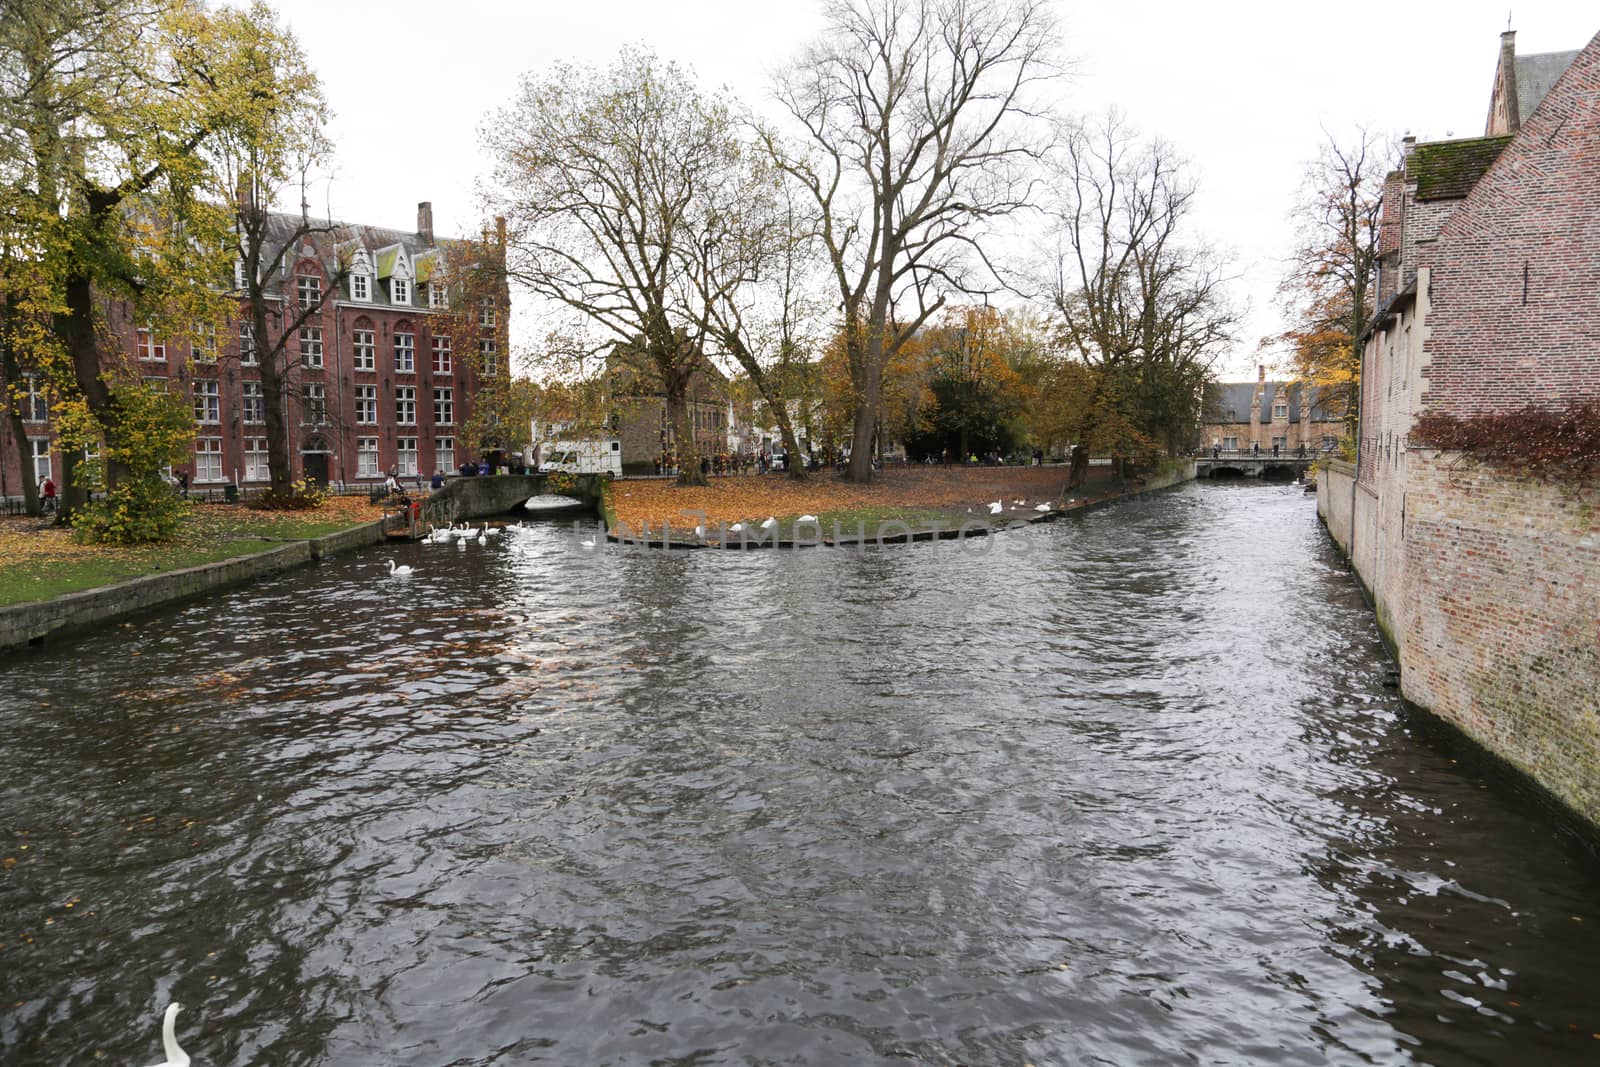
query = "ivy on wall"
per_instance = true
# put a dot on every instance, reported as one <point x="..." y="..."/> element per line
<point x="1547" y="444"/>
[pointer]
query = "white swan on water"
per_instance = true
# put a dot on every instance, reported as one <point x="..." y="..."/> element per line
<point x="176" y="1057"/>
<point x="398" y="572"/>
<point x="996" y="508"/>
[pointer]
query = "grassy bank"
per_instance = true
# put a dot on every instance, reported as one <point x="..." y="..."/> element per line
<point x="920" y="498"/>
<point x="39" y="560"/>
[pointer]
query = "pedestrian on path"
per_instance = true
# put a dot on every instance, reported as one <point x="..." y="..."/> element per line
<point x="47" y="494"/>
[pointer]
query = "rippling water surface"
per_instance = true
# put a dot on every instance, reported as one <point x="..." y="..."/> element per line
<point x="1123" y="789"/>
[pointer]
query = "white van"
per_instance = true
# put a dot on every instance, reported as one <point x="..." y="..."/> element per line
<point x="600" y="455"/>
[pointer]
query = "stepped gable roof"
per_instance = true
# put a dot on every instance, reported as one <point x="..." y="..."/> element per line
<point x="1535" y="76"/>
<point x="1447" y="170"/>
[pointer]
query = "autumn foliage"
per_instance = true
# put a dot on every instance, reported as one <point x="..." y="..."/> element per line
<point x="1543" y="443"/>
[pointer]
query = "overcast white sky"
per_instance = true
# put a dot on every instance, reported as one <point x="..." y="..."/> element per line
<point x="1243" y="90"/>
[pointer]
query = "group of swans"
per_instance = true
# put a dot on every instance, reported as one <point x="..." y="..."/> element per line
<point x="461" y="534"/>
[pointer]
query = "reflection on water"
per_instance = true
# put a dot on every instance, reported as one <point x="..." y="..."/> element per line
<point x="1126" y="788"/>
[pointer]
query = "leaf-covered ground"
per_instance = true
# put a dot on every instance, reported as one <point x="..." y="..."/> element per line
<point x="896" y="492"/>
<point x="40" y="560"/>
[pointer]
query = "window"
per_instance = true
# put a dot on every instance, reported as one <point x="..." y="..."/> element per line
<point x="406" y="456"/>
<point x="1329" y="443"/>
<point x="256" y="467"/>
<point x="36" y="406"/>
<point x="399" y="291"/>
<point x="405" y="405"/>
<point x="441" y="355"/>
<point x="155" y="385"/>
<point x="207" y="401"/>
<point x="255" y="404"/>
<point x="486" y="311"/>
<point x="310" y="288"/>
<point x="1280" y="442"/>
<point x="444" y="454"/>
<point x="204" y="344"/>
<point x="247" y="344"/>
<point x="367" y="405"/>
<point x="1280" y="409"/>
<point x="311" y="346"/>
<point x="208" y="459"/>
<point x="238" y="274"/>
<point x="436" y="296"/>
<point x="366" y="457"/>
<point x="360" y="287"/>
<point x="366" y="350"/>
<point x="444" y="408"/>
<point x="41" y="457"/>
<point x="1231" y="444"/>
<point x="314" y="402"/>
<point x="488" y="352"/>
<point x="405" y="353"/>
<point x="149" y="346"/>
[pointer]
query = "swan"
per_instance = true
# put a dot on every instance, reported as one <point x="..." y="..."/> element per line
<point x="587" y="544"/>
<point x="483" y="537"/>
<point x="398" y="572"/>
<point x="700" y="533"/>
<point x="996" y="508"/>
<point x="462" y="544"/>
<point x="806" y="518"/>
<point x="176" y="1057"/>
<point x="770" y="523"/>
<point x="1042" y="507"/>
<point x="737" y="527"/>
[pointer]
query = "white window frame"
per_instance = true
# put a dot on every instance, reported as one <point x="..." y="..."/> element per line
<point x="366" y="349"/>
<point x="247" y="345"/>
<point x="311" y="347"/>
<point x="207" y="401"/>
<point x="308" y="288"/>
<point x="405" y="352"/>
<point x="405" y="405"/>
<point x="148" y="346"/>
<point x="204" y="345"/>
<point x="208" y="459"/>
<point x="444" y="407"/>
<point x="367" y="458"/>
<point x="36" y="404"/>
<point x="437" y="297"/>
<point x="252" y="402"/>
<point x="486" y="312"/>
<point x="361" y="287"/>
<point x="443" y="355"/>
<point x="444" y="454"/>
<point x="313" y="404"/>
<point x="1230" y="444"/>
<point x="367" y="405"/>
<point x="1280" y="410"/>
<point x="488" y="357"/>
<point x="405" y="458"/>
<point x="40" y="447"/>
<point x="257" y="467"/>
<point x="400" y="291"/>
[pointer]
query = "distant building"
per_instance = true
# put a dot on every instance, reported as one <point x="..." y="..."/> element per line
<point x="1239" y="416"/>
<point x="1486" y="581"/>
<point x="639" y="417"/>
<point x="384" y="378"/>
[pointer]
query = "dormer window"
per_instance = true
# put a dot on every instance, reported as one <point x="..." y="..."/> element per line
<point x="399" y="291"/>
<point x="436" y="296"/>
<point x="361" y="276"/>
<point x="1280" y="410"/>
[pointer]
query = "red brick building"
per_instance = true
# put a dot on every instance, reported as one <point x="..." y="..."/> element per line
<point x="1487" y="581"/>
<point x="383" y="375"/>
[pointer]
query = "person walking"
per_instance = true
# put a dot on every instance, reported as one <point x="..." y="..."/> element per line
<point x="47" y="494"/>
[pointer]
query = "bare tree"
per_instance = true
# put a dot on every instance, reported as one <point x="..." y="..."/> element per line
<point x="915" y="139"/>
<point x="1140" y="302"/>
<point x="1328" y="290"/>
<point x="605" y="178"/>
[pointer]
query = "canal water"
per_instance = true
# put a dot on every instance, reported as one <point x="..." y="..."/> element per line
<point x="1128" y="788"/>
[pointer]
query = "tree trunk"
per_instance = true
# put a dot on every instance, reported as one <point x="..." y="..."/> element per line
<point x="280" y="465"/>
<point x="682" y="422"/>
<point x="75" y="328"/>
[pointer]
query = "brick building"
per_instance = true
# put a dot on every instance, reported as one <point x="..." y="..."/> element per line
<point x="1486" y="582"/>
<point x="382" y="377"/>
<point x="638" y="412"/>
<point x="1239" y="415"/>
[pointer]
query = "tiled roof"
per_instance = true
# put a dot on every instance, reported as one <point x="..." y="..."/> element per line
<point x="1229" y="402"/>
<point x="1447" y="170"/>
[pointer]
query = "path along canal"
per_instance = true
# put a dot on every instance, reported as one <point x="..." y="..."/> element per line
<point x="1126" y="788"/>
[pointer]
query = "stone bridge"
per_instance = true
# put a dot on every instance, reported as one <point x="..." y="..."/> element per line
<point x="1286" y="466"/>
<point x="496" y="494"/>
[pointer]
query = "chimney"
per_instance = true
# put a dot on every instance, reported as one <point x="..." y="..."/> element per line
<point x="1261" y="373"/>
<point x="425" y="221"/>
<point x="500" y="229"/>
<point x="1508" y="80"/>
